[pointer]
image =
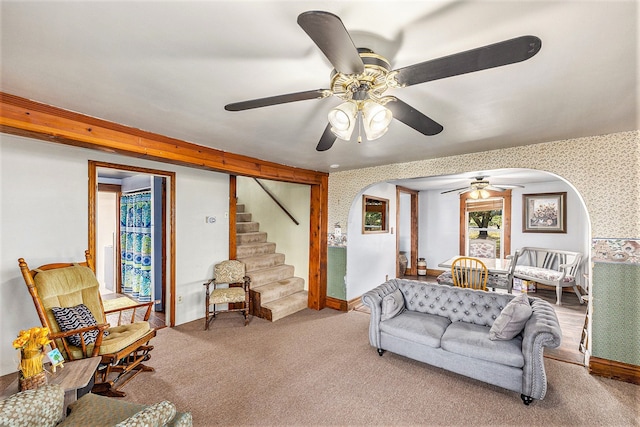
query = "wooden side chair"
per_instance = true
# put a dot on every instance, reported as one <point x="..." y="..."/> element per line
<point x="469" y="273"/>
<point x="236" y="295"/>
<point x="67" y="299"/>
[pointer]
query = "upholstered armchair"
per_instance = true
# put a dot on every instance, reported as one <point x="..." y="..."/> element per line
<point x="231" y="273"/>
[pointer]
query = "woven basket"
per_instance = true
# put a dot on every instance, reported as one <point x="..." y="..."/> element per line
<point x="33" y="382"/>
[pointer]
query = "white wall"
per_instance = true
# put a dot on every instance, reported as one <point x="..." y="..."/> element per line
<point x="371" y="258"/>
<point x="439" y="223"/>
<point x="44" y="218"/>
<point x="291" y="240"/>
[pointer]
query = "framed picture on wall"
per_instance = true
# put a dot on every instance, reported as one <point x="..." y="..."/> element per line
<point x="544" y="213"/>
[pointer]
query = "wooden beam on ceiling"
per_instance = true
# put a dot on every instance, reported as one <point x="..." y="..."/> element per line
<point x="24" y="117"/>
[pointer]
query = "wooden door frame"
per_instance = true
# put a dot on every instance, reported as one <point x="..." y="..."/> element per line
<point x="413" y="270"/>
<point x="30" y="119"/>
<point x="506" y="219"/>
<point x="117" y="189"/>
<point x="93" y="192"/>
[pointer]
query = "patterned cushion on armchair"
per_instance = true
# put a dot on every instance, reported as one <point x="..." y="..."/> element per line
<point x="40" y="407"/>
<point x="230" y="271"/>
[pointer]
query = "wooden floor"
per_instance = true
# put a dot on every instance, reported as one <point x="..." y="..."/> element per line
<point x="571" y="315"/>
<point x="156" y="319"/>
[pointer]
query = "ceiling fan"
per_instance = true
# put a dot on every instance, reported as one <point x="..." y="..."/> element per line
<point x="480" y="188"/>
<point x="361" y="77"/>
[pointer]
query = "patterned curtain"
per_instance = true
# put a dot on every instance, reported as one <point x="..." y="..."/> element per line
<point x="135" y="245"/>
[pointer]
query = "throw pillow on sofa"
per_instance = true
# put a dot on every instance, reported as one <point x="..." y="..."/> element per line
<point x="392" y="305"/>
<point x="512" y="319"/>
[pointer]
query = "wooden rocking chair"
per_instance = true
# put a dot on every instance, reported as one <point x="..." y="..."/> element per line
<point x="69" y="289"/>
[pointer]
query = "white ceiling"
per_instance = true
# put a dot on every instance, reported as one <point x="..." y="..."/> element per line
<point x="170" y="67"/>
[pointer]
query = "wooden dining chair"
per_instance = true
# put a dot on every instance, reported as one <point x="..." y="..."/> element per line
<point x="469" y="273"/>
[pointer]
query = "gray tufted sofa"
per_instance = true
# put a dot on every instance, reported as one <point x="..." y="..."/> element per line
<point x="449" y="328"/>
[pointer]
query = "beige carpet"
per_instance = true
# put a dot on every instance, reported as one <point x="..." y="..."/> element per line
<point x="317" y="368"/>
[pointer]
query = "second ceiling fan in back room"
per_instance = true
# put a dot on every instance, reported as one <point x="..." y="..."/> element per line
<point x="361" y="78"/>
<point x="480" y="187"/>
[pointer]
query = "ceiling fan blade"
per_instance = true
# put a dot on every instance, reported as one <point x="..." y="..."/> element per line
<point x="327" y="139"/>
<point x="279" y="99"/>
<point x="490" y="56"/>
<point x="456" y="189"/>
<point x="501" y="187"/>
<point x="413" y="118"/>
<point x="328" y="32"/>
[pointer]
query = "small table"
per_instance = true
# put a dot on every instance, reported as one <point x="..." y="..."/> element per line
<point x="494" y="265"/>
<point x="72" y="377"/>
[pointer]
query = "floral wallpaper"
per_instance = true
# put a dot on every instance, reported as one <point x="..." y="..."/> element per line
<point x="605" y="170"/>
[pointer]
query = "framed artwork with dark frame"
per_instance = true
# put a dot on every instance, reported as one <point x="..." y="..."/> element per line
<point x="544" y="213"/>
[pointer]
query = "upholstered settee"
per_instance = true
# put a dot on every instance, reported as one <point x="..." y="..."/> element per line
<point x="44" y="408"/>
<point x="492" y="337"/>
<point x="550" y="267"/>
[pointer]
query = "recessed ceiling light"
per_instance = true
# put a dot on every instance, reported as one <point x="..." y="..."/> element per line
<point x="334" y="166"/>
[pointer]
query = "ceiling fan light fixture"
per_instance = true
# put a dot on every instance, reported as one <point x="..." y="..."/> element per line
<point x="343" y="120"/>
<point x="376" y="119"/>
<point x="479" y="194"/>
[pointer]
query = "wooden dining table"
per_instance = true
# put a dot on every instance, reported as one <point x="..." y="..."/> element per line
<point x="494" y="265"/>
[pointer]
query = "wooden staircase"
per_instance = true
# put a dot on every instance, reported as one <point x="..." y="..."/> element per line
<point x="275" y="291"/>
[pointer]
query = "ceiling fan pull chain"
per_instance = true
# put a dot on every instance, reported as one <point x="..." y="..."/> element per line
<point x="359" y="127"/>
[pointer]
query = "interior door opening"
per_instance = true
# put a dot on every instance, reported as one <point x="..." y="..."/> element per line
<point x="407" y="231"/>
<point x="129" y="229"/>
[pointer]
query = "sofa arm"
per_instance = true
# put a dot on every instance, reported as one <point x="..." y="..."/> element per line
<point x="373" y="300"/>
<point x="40" y="407"/>
<point x="541" y="330"/>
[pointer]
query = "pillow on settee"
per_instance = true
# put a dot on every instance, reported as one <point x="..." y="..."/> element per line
<point x="79" y="316"/>
<point x="512" y="319"/>
<point x="392" y="305"/>
<point x="155" y="415"/>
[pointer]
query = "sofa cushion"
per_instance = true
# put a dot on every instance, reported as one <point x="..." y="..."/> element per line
<point x="95" y="410"/>
<point x="512" y="319"/>
<point x="392" y="305"/>
<point x="156" y="415"/>
<point x="41" y="407"/>
<point x="416" y="327"/>
<point x="471" y="340"/>
<point x="542" y="273"/>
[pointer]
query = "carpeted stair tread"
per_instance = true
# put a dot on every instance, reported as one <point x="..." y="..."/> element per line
<point x="288" y="305"/>
<point x="268" y="275"/>
<point x="239" y="208"/>
<point x="260" y="262"/>
<point x="279" y="289"/>
<point x="253" y="249"/>
<point x="247" y="227"/>
<point x="243" y="217"/>
<point x="246" y="238"/>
